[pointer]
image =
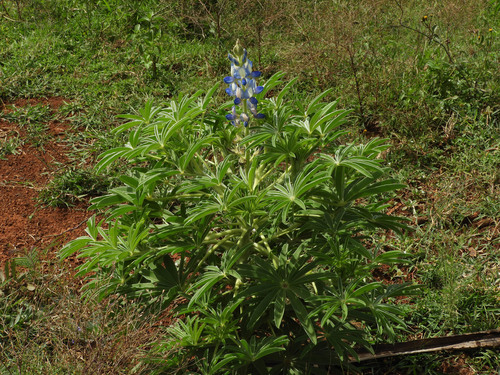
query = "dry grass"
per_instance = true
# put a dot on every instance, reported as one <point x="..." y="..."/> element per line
<point x="65" y="334"/>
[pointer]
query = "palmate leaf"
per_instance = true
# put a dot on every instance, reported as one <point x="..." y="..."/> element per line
<point x="268" y="293"/>
<point x="315" y="104"/>
<point x="162" y="277"/>
<point x="218" y="362"/>
<point x="355" y="218"/>
<point x="302" y="315"/>
<point x="271" y="295"/>
<point x="275" y="286"/>
<point x="271" y="83"/>
<point x="122" y="194"/>
<point x="282" y="148"/>
<point x="149" y="179"/>
<point x="293" y="192"/>
<point x="373" y="148"/>
<point x="222" y="170"/>
<point x="170" y="232"/>
<point x="210" y="277"/>
<point x="208" y="179"/>
<point x="167" y="275"/>
<point x="361" y="164"/>
<point x="343" y="337"/>
<point x="342" y="300"/>
<point x="109" y="156"/>
<point x="324" y="121"/>
<point x="188" y="332"/>
<point x="75" y="246"/>
<point x="271" y="132"/>
<point x="385" y="315"/>
<point x="284" y="91"/>
<point x="248" y="176"/>
<point x="394" y="223"/>
<point x="367" y="187"/>
<point x="279" y="308"/>
<point x="127" y="152"/>
<point x="199" y="185"/>
<point x="165" y="130"/>
<point x="79" y="243"/>
<point x="219" y="320"/>
<point x="145" y="117"/>
<point x="259" y="137"/>
<point x="328" y="123"/>
<point x="188" y="156"/>
<point x="250" y="352"/>
<point x="184" y="107"/>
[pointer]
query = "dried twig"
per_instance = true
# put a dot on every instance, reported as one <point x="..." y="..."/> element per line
<point x="487" y="339"/>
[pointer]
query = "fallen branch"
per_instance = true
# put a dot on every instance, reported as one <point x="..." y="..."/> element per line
<point x="488" y="339"/>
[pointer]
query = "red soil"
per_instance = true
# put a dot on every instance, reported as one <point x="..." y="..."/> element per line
<point x="25" y="225"/>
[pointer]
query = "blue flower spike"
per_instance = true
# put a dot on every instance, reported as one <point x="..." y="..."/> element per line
<point x="243" y="87"/>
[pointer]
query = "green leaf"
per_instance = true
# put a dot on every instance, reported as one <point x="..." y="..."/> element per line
<point x="208" y="97"/>
<point x="202" y="211"/>
<point x="279" y="309"/>
<point x="357" y="190"/>
<point x="130" y="181"/>
<point x="314" y="104"/>
<point x="108" y="157"/>
<point x="259" y="310"/>
<point x="185" y="159"/>
<point x="271" y="83"/>
<point x="302" y="315"/>
<point x="74" y="246"/>
<point x="211" y="277"/>
<point x="284" y="92"/>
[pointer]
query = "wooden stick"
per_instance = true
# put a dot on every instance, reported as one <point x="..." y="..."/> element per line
<point x="487" y="339"/>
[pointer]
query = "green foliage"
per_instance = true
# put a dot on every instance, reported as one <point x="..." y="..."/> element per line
<point x="20" y="312"/>
<point x="148" y="33"/>
<point x="28" y="115"/>
<point x="10" y="144"/>
<point x="262" y="230"/>
<point x="33" y="120"/>
<point x="72" y="186"/>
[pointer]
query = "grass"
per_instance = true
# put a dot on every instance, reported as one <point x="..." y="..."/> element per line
<point x="49" y="329"/>
<point x="423" y="75"/>
<point x="73" y="185"/>
<point x="9" y="144"/>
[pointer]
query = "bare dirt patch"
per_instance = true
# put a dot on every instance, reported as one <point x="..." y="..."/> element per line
<point x="25" y="225"/>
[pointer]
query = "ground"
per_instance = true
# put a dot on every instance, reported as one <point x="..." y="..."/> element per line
<point x="25" y="224"/>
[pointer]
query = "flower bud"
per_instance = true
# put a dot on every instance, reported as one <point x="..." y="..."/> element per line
<point x="238" y="51"/>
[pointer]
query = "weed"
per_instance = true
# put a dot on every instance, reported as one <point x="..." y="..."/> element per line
<point x="28" y="115"/>
<point x="47" y="328"/>
<point x="33" y="120"/>
<point x="73" y="185"/>
<point x="10" y="144"/>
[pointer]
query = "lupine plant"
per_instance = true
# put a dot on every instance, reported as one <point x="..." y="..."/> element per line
<point x="257" y="225"/>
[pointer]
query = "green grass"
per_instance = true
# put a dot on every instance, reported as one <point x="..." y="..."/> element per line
<point x="10" y="144"/>
<point x="73" y="185"/>
<point x="442" y="116"/>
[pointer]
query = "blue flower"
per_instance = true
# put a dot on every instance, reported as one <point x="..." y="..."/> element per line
<point x="243" y="87"/>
